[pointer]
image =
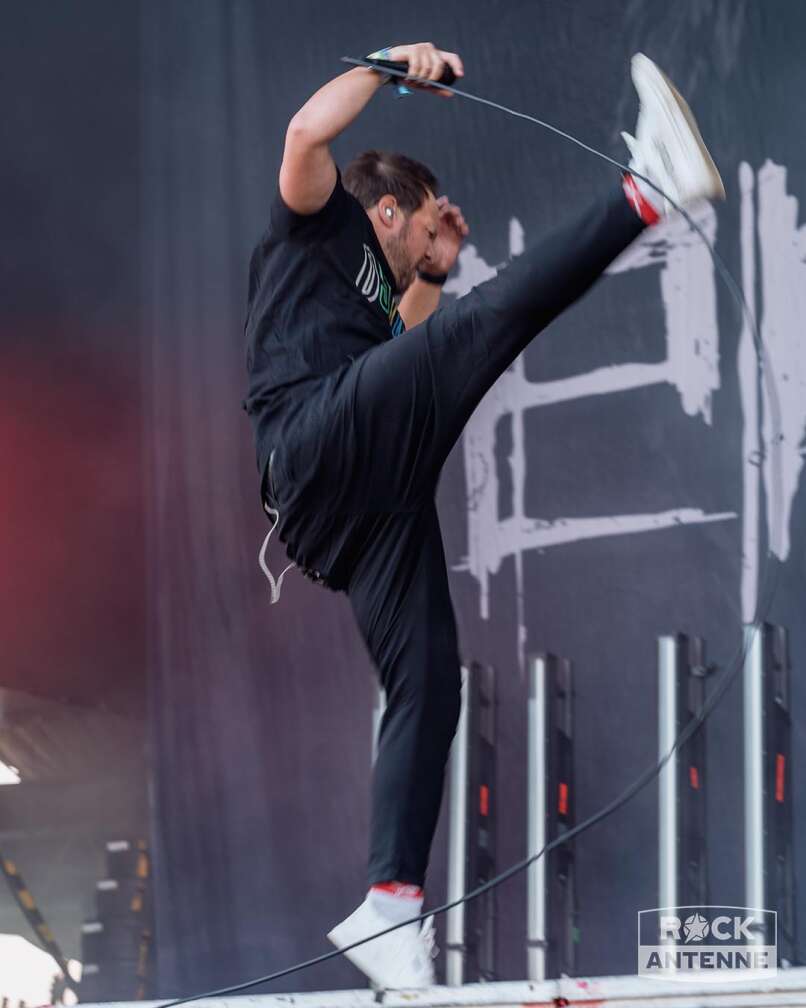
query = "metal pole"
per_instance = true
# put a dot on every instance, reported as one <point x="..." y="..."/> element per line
<point x="667" y="781"/>
<point x="25" y="901"/>
<point x="754" y="768"/>
<point x="536" y="827"/>
<point x="457" y="844"/>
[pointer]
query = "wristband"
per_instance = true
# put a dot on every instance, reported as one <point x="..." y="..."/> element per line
<point x="438" y="279"/>
<point x="396" y="82"/>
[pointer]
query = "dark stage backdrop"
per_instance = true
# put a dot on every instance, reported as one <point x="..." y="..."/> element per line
<point x="613" y="487"/>
<point x="71" y="598"/>
<point x="72" y="535"/>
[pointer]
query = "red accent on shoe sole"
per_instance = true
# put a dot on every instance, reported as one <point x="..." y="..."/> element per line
<point x="639" y="202"/>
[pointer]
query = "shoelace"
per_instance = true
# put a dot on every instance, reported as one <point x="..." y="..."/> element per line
<point x="275" y="585"/>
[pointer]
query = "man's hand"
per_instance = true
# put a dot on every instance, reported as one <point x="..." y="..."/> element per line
<point x="422" y="298"/>
<point x="452" y="232"/>
<point x="425" y="60"/>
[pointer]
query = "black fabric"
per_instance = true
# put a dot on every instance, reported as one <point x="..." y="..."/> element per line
<point x="320" y="293"/>
<point x="402" y="604"/>
<point x="368" y="522"/>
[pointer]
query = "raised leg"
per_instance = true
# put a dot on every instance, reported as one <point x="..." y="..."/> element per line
<point x="410" y="398"/>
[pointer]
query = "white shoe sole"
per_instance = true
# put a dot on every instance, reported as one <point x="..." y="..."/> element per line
<point x="646" y="75"/>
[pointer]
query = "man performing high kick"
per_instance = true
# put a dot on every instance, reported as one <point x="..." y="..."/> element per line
<point x="359" y="386"/>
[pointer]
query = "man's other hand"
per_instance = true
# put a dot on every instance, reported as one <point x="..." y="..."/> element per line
<point x="452" y="232"/>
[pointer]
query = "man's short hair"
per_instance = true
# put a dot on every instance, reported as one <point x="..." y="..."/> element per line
<point x="374" y="174"/>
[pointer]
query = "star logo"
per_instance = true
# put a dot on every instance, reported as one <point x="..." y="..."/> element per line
<point x="695" y="928"/>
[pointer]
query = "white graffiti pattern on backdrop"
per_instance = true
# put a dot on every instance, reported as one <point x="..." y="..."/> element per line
<point x="688" y="291"/>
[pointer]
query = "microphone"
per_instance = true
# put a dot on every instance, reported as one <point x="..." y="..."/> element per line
<point x="448" y="76"/>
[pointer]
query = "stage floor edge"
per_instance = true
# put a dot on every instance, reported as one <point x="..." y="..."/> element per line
<point x="787" y="988"/>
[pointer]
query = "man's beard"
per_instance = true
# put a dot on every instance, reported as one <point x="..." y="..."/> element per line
<point x="398" y="258"/>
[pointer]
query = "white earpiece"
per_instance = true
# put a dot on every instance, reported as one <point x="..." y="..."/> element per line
<point x="390" y="212"/>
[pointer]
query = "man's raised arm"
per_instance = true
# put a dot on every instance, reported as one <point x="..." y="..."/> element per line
<point x="308" y="172"/>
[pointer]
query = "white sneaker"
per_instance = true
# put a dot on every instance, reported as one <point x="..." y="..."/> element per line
<point x="400" y="960"/>
<point x="667" y="146"/>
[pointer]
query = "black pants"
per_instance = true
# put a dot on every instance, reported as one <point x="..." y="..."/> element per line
<point x="355" y="483"/>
